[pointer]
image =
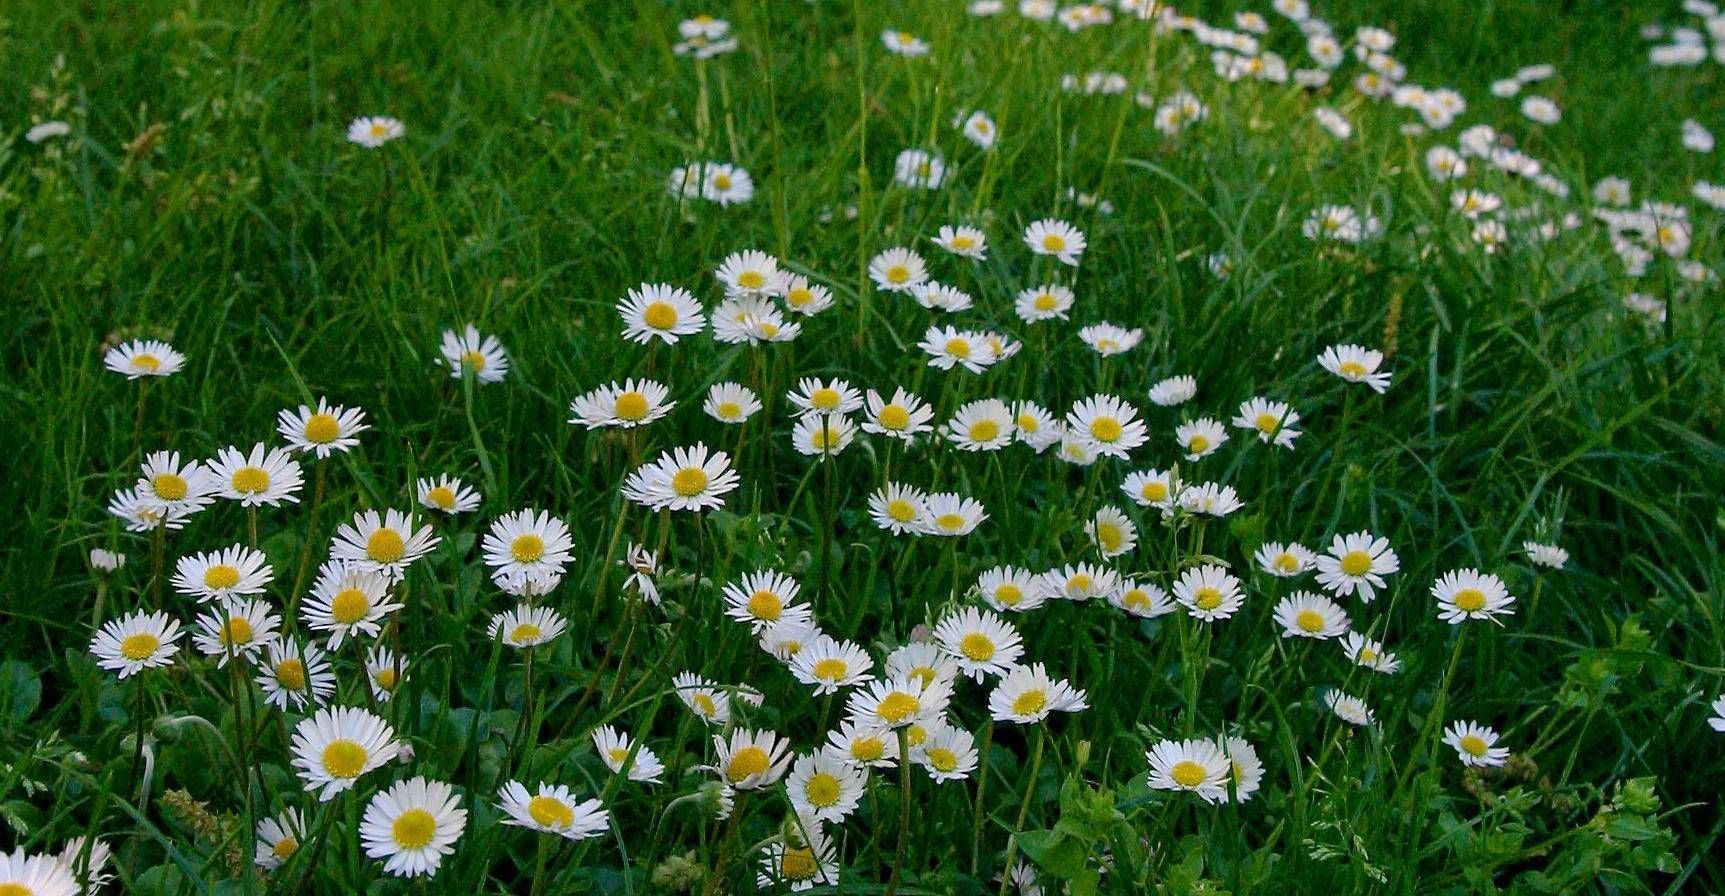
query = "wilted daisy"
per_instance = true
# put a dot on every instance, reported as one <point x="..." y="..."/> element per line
<point x="1357" y="564"/>
<point x="229" y="572"/>
<point x="527" y="626"/>
<point x="1142" y="599"/>
<point x="373" y="131"/>
<point x="1052" y="236"/>
<point x="1112" y="532"/>
<point x="384" y="672"/>
<point x="750" y="759"/>
<point x="619" y="752"/>
<point x="143" y="357"/>
<point x="683" y="479"/>
<point x="1050" y="301"/>
<point x="824" y="787"/>
<point x="982" y="425"/>
<point x="963" y="241"/>
<point x="1348" y="708"/>
<point x="412" y="826"/>
<point x="256" y="478"/>
<point x="660" y="311"/>
<point x="919" y="169"/>
<point x="1363" y="651"/>
<point x="623" y="405"/>
<point x="948" y="753"/>
<point x="384" y="543"/>
<point x="235" y="628"/>
<point x="279" y="838"/>
<point x="22" y="874"/>
<point x="899" y="701"/>
<point x="827" y="665"/>
<point x="731" y="402"/>
<point x="950" y="514"/>
<point x="135" y="642"/>
<point x="446" y="494"/>
<point x="1307" y="615"/>
<point x="1549" y="556"/>
<point x="763" y="598"/>
<point x="348" y="600"/>
<point x="1201" y="437"/>
<point x="1175" y="390"/>
<point x="800" y="858"/>
<point x="1027" y="694"/>
<point x="527" y="546"/>
<point x="1197" y="766"/>
<point x="1475" y="745"/>
<point x="181" y="488"/>
<point x="333" y="748"/>
<point x="106" y="561"/>
<point x="1108" y="340"/>
<point x="980" y="642"/>
<point x="863" y="746"/>
<point x="294" y="675"/>
<point x="703" y="697"/>
<point x="1152" y="488"/>
<point x="1465" y="594"/>
<point x="323" y="430"/>
<point x="1208" y="592"/>
<point x="1284" y="561"/>
<point x="1273" y="420"/>
<point x="468" y="350"/>
<point x="552" y="809"/>
<point x="1356" y="364"/>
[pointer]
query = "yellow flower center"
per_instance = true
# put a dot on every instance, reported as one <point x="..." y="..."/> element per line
<point x="977" y="646"/>
<point x="799" y="297"/>
<point x="1154" y="491"/>
<point x="1368" y="655"/>
<point x="385" y="678"/>
<point x="344" y="759"/>
<point x="443" y="496"/>
<point x="704" y="704"/>
<point x="1469" y="599"/>
<point x="322" y="428"/>
<point x="475" y="359"/>
<point x="221" y="576"/>
<point x="379" y="131"/>
<point x="140" y="646"/>
<point x="825" y="398"/>
<point x="1474" y="745"/>
<point x="285" y="848"/>
<point x="1027" y="422"/>
<point x="942" y="760"/>
<point x="169" y="486"/>
<point x="958" y="348"/>
<point x="915" y="735"/>
<point x="147" y="362"/>
<point x="662" y="315"/>
<point x="950" y="522"/>
<point x="984" y="431"/>
<point x="1045" y="302"/>
<point x="822" y="790"/>
<point x="551" y="812"/>
<point x="898" y="273"/>
<point x="689" y="481"/>
<point x="924" y="675"/>
<point x="868" y="749"/>
<point x="236" y="631"/>
<point x="765" y="605"/>
<point x="1310" y="621"/>
<point x="251" y="480"/>
<point x="1030" y="702"/>
<point x="631" y="406"/>
<point x="894" y="417"/>
<point x="1137" y="599"/>
<point x="824" y="439"/>
<point x="1268" y="423"/>
<point x="901" y="510"/>
<point x="1207" y="598"/>
<point x="1356" y="563"/>
<point x="963" y="241"/>
<point x="722" y="181"/>
<point x="730" y="410"/>
<point x="527" y="548"/>
<point x="798" y="863"/>
<point x="1053" y="242"/>
<point x="413" y="829"/>
<point x="898" y="707"/>
<point x="751" y="279"/>
<point x="747" y="763"/>
<point x="1352" y="369"/>
<point x="1197" y="444"/>
<point x="1188" y="774"/>
<point x="525" y="633"/>
<point x="349" y="605"/>
<point x="1008" y="594"/>
<point x="1287" y="562"/>
<point x="1109" y="537"/>
<point x="831" y="669"/>
<point x="385" y="546"/>
<point x="290" y="673"/>
<point x="618" y="754"/>
<point x="1079" y="582"/>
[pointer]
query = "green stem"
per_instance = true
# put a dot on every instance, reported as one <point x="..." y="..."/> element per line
<point x="1023" y="809"/>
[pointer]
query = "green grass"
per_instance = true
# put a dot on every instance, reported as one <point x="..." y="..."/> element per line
<point x="529" y="196"/>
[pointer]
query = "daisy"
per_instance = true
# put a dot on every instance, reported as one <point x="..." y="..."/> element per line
<point x="527" y="546"/>
<point x="384" y="672"/>
<point x="963" y="241"/>
<point x="1196" y="766"/>
<point x="624" y="405"/>
<point x="1201" y="437"/>
<point x="1273" y="420"/>
<point x="643" y="566"/>
<point x="1010" y="589"/>
<point x="903" y="43"/>
<point x="621" y="755"/>
<point x="1444" y="163"/>
<point x="1109" y="424"/>
<point x="348" y="600"/>
<point x="1356" y="364"/>
<point x="1474" y="203"/>
<point x="948" y="753"/>
<point x="468" y="350"/>
<point x="1465" y="594"/>
<point x="256" y="478"/>
<point x="412" y="826"/>
<point x="1209" y="499"/>
<point x="552" y="809"/>
<point x="1307" y="615"/>
<point x="1142" y="600"/>
<point x="1357" y="564"/>
<point x="750" y="273"/>
<point x="899" y="701"/>
<point x="1108" y="340"/>
<point x="1284" y="561"/>
<point x="373" y="131"/>
<point x="384" y="543"/>
<point x="229" y="572"/>
<point x="763" y="598"/>
<point x="1175" y="390"/>
<point x="1475" y="745"/>
<point x="805" y="298"/>
<point x="980" y="642"/>
<point x="751" y="760"/>
<point x="827" y="665"/>
<point x="235" y="628"/>
<point x="784" y="641"/>
<point x="729" y="402"/>
<point x="1081" y="582"/>
<point x="1549" y="556"/>
<point x="1245" y="769"/>
<point x="660" y="311"/>
<point x="703" y="697"/>
<point x="135" y="642"/>
<point x="948" y="347"/>
<point x="1363" y="651"/>
<point x="683" y="479"/>
<point x="106" y="561"/>
<point x="825" y="787"/>
<point x="184" y="488"/>
<point x="1035" y="426"/>
<point x="527" y="626"/>
<point x="898" y="508"/>
<point x="278" y="839"/>
<point x="922" y="661"/>
<point x="1348" y="708"/>
<point x="919" y="170"/>
<point x="1052" y="236"/>
<point x="800" y="862"/>
<point x="446" y="494"/>
<point x="812" y="396"/>
<point x="862" y="746"/>
<point x="1047" y="302"/>
<point x="1026" y="695"/>
<point x="333" y="748"/>
<point x="295" y="676"/>
<point x="982" y="425"/>
<point x="22" y="874"/>
<point x="948" y="514"/>
<point x="725" y="184"/>
<point x="1152" y="488"/>
<point x="1717" y="723"/>
<point x="898" y="270"/>
<point x="1112" y="532"/>
<point x="1208" y="592"/>
<point x="903" y="417"/>
<point x="321" y="431"/>
<point x="143" y="357"/>
<point x="937" y="296"/>
<point x="1541" y="110"/>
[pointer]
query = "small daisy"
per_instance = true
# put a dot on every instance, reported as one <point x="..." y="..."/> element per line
<point x="1010" y="589"/>
<point x="660" y="311"/>
<point x="724" y="183"/>
<point x="552" y="809"/>
<point x="902" y="417"/>
<point x="1197" y="766"/>
<point x="825" y="787"/>
<point x="1307" y="615"/>
<point x="922" y="661"/>
<point x="949" y="514"/>
<point x="412" y="826"/>
<point x="446" y="494"/>
<point x="1026" y="695"/>
<point x="683" y="479"/>
<point x="621" y="753"/>
<point x="106" y="561"/>
<point x="1142" y="600"/>
<point x="1047" y="302"/>
<point x="1465" y="594"/>
<point x="527" y="546"/>
<point x="1173" y="391"/>
<point x="751" y="273"/>
<point x="1273" y="420"/>
<point x="703" y="697"/>
<point x="468" y="350"/>
<point x="1357" y="564"/>
<point x="235" y="628"/>
<point x="527" y="626"/>
<point x="1348" y="708"/>
<point x="278" y="839"/>
<point x="229" y="572"/>
<point x="898" y="270"/>
<point x="982" y="643"/>
<point x="827" y="665"/>
<point x="982" y="425"/>
<point x="1209" y="499"/>
<point x="979" y="129"/>
<point x="1201" y="437"/>
<point x="256" y="478"/>
<point x="143" y="357"/>
<point x="729" y="402"/>
<point x="862" y="746"/>
<point x="785" y="641"/>
<point x="1109" y="424"/>
<point x="898" y="508"/>
<point x="1081" y="582"/>
<point x="384" y="671"/>
<point x="1541" y="110"/>
<point x="1035" y="426"/>
<point x="1208" y="592"/>
<point x="948" y="753"/>
<point x="965" y="242"/>
<point x="321" y="431"/>
<point x="1246" y="769"/>
<point x="623" y="405"/>
<point x="135" y="642"/>
<point x="800" y="859"/>
<point x="1108" y="340"/>
<point x="751" y="760"/>
<point x="373" y="131"/>
<point x="348" y="600"/>
<point x="333" y="748"/>
<point x="903" y="43"/>
<point x="1356" y="364"/>
<point x="763" y="598"/>
<point x="146" y="514"/>
<point x="186" y="488"/>
<point x="1112" y="532"/>
<point x="384" y="543"/>
<point x="295" y="676"/>
<point x="1051" y="236"/>
<point x="812" y="396"/>
<point x="919" y="169"/>
<point x="1152" y="488"/>
<point x="899" y="701"/>
<point x="948" y="347"/>
<point x="1284" y="561"/>
<point x="1363" y="651"/>
<point x="1475" y="745"/>
<point x="1549" y="556"/>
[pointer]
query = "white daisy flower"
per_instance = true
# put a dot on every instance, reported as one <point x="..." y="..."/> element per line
<point x="384" y="543"/>
<point x="805" y="298"/>
<point x="446" y="494"/>
<point x="143" y="357"/>
<point x="1035" y="426"/>
<point x="1108" y="340"/>
<point x="948" y="753"/>
<point x="1109" y="424"/>
<point x="468" y="350"/>
<point x="230" y="572"/>
<point x="660" y="311"/>
<point x="1112" y="532"/>
<point x="1010" y="589"/>
<point x="1475" y="745"/>
<point x="621" y="754"/>
<point x="1196" y="766"/>
<point x="323" y="430"/>
<point x="1245" y="769"/>
<point x="1357" y="564"/>
<point x="903" y="43"/>
<point x="703" y="697"/>
<point x="256" y="478"/>
<point x="827" y="665"/>
<point x="294" y="675"/>
<point x="1052" y="236"/>
<point x="751" y="273"/>
<point x="333" y="748"/>
<point x="278" y="839"/>
<point x="1209" y="593"/>
<point x="1081" y="582"/>
<point x="1348" y="708"/>
<point x="825" y="787"/>
<point x="348" y="600"/>
<point x="1549" y="556"/>
<point x="373" y="131"/>
<point x="623" y="405"/>
<point x="235" y="628"/>
<point x="384" y="672"/>
<point x="898" y="270"/>
<point x="899" y="701"/>
<point x="949" y="514"/>
<point x="982" y="425"/>
<point x="412" y="826"/>
<point x="1356" y="364"/>
<point x="527" y="626"/>
<point x="1142" y="599"/>
<point x="1201" y="437"/>
<point x="22" y="874"/>
<point x="527" y="546"/>
<point x="1285" y="561"/>
<point x="862" y="746"/>
<point x="963" y="241"/>
<point x="1466" y="594"/>
<point x="552" y="809"/>
<point x="1363" y="651"/>
<point x="980" y="642"/>
<point x="1273" y="421"/>
<point x="919" y="169"/>
<point x="979" y="129"/>
<point x="799" y="859"/>
<point x="1152" y="488"/>
<point x="183" y="488"/>
<point x="732" y="403"/>
<point x="1051" y="301"/>
<point x="724" y="183"/>
<point x="763" y="598"/>
<point x="683" y="479"/>
<point x="1027" y="694"/>
<point x="135" y="642"/>
<point x="750" y="759"/>
<point x="1307" y="615"/>
<point x="1173" y="391"/>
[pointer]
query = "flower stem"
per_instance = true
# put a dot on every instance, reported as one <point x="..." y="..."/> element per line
<point x="1023" y="809"/>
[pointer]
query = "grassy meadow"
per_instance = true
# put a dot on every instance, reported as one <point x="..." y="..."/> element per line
<point x="1099" y="636"/>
